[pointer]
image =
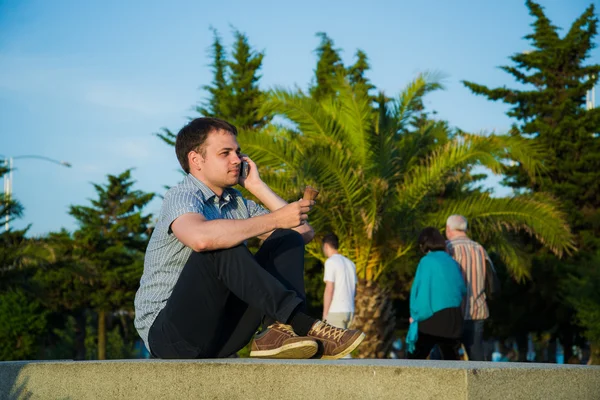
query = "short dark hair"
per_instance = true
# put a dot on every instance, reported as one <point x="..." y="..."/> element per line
<point x="193" y="135"/>
<point x="430" y="239"/>
<point x="332" y="240"/>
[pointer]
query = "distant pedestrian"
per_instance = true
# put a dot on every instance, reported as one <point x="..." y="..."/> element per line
<point x="474" y="262"/>
<point x="435" y="300"/>
<point x="340" y="285"/>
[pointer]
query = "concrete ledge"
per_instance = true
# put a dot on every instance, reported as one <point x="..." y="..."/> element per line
<point x="295" y="379"/>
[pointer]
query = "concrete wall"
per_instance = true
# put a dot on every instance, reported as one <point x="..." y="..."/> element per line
<point x="301" y="379"/>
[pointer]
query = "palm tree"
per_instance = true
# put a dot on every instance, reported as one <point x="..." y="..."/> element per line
<point x="382" y="172"/>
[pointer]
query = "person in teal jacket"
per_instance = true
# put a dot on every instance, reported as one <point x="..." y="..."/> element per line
<point x="436" y="300"/>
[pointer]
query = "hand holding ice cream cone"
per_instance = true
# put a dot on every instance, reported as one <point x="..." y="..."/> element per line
<point x="310" y="193"/>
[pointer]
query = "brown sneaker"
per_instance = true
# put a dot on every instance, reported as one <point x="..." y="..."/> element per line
<point x="280" y="341"/>
<point x="336" y="342"/>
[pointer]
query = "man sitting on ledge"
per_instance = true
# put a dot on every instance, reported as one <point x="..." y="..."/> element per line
<point x="203" y="294"/>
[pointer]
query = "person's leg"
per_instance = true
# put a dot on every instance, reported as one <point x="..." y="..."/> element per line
<point x="282" y="255"/>
<point x="435" y="353"/>
<point x="477" y="346"/>
<point x="211" y="298"/>
<point x="423" y="347"/>
<point x="467" y="336"/>
<point x="341" y="320"/>
<point x="448" y="348"/>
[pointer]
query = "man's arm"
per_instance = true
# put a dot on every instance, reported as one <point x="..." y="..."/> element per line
<point x="193" y="230"/>
<point x="273" y="202"/>
<point x="270" y="199"/>
<point x="327" y="297"/>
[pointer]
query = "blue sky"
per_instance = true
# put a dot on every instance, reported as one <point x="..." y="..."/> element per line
<point x="90" y="82"/>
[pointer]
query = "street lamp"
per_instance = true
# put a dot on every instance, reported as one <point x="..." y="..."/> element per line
<point x="8" y="176"/>
<point x="590" y="97"/>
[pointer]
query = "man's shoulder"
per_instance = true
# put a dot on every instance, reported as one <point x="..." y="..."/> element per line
<point x="347" y="260"/>
<point x="183" y="188"/>
<point x="463" y="241"/>
<point x="338" y="260"/>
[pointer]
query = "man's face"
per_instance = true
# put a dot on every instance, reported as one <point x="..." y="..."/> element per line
<point x="447" y="232"/>
<point x="220" y="166"/>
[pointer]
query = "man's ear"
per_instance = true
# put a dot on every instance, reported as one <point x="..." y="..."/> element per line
<point x="195" y="160"/>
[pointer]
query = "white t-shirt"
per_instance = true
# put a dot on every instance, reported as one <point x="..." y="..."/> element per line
<point x="342" y="272"/>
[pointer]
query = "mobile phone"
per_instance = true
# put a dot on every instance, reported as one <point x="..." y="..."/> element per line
<point x="244" y="169"/>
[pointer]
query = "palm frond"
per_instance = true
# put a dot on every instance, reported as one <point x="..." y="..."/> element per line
<point x="410" y="99"/>
<point x="353" y="112"/>
<point x="537" y="215"/>
<point x="436" y="170"/>
<point x="308" y="115"/>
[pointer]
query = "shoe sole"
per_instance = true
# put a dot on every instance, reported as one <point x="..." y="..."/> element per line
<point x="298" y="350"/>
<point x="348" y="349"/>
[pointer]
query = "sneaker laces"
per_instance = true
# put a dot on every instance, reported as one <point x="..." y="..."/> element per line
<point x="326" y="330"/>
<point x="285" y="328"/>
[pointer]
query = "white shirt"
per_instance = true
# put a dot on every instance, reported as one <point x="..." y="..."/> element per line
<point x="342" y="272"/>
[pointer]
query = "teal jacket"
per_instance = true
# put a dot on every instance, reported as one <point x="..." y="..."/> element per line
<point x="438" y="285"/>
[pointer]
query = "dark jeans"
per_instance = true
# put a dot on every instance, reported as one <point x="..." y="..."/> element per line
<point x="473" y="339"/>
<point x="222" y="296"/>
<point x="425" y="343"/>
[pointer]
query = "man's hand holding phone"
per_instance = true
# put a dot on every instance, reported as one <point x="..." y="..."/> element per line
<point x="248" y="173"/>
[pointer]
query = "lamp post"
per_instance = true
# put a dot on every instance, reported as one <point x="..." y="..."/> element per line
<point x="8" y="176"/>
<point x="590" y="97"/>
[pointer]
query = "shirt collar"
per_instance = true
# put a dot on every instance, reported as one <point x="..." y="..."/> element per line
<point x="207" y="193"/>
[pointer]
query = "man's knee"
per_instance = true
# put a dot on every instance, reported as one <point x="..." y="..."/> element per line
<point x="289" y="236"/>
<point x="217" y="258"/>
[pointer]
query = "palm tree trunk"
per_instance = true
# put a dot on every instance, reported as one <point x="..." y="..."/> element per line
<point x="101" y="335"/>
<point x="375" y="316"/>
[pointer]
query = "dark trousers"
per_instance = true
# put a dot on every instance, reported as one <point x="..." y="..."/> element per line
<point x="222" y="296"/>
<point x="473" y="339"/>
<point x="425" y="343"/>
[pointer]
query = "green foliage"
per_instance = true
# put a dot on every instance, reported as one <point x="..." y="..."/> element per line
<point x="110" y="243"/>
<point x="218" y="93"/>
<point x="111" y="239"/>
<point x="551" y="112"/>
<point x="64" y="343"/>
<point x="22" y="321"/>
<point x="330" y="68"/>
<point x="356" y="74"/>
<point x="234" y="94"/>
<point x="383" y="173"/>
<point x="583" y="294"/>
<point x="314" y="286"/>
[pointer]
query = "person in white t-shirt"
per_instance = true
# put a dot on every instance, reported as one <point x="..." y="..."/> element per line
<point x="340" y="285"/>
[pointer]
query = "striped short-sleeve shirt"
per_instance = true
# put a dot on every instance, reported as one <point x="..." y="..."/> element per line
<point x="473" y="261"/>
<point x="166" y="255"/>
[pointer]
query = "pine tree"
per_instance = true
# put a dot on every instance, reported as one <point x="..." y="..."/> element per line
<point x="356" y="73"/>
<point x="111" y="240"/>
<point x="246" y="97"/>
<point x="329" y="66"/>
<point x="552" y="112"/>
<point x="219" y="93"/>
<point x="234" y="94"/>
